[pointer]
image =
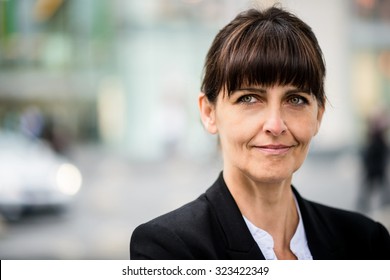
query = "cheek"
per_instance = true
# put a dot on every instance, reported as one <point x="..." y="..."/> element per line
<point x="305" y="129"/>
<point x="232" y="134"/>
<point x="233" y="130"/>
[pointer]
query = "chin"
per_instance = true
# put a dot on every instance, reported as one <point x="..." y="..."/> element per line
<point x="270" y="179"/>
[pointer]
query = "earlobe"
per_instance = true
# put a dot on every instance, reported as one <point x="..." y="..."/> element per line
<point x="207" y="113"/>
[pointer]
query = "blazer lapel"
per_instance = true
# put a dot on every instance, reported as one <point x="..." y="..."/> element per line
<point x="237" y="237"/>
<point x="239" y="243"/>
<point x="320" y="239"/>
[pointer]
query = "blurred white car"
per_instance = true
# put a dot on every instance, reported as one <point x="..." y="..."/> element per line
<point x="32" y="175"/>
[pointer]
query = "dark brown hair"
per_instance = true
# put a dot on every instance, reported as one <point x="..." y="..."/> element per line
<point x="271" y="47"/>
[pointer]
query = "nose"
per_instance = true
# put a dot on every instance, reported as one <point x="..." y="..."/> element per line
<point x="274" y="123"/>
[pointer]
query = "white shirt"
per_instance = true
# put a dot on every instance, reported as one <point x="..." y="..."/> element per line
<point x="298" y="243"/>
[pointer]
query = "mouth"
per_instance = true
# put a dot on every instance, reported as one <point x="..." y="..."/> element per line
<point x="274" y="149"/>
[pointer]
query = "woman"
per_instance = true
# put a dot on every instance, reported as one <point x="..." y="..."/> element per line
<point x="263" y="94"/>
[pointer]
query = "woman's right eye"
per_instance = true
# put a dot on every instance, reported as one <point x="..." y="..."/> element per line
<point x="247" y="99"/>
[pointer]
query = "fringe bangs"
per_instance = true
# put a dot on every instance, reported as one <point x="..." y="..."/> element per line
<point x="266" y="49"/>
<point x="271" y="57"/>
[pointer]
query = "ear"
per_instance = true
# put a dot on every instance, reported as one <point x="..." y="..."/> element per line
<point x="207" y="113"/>
<point x="320" y="114"/>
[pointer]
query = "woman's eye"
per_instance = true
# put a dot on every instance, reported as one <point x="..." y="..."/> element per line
<point x="247" y="99"/>
<point x="297" y="100"/>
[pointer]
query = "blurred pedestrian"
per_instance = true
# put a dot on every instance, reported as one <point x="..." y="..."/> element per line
<point x="374" y="163"/>
<point x="32" y="122"/>
<point x="263" y="94"/>
<point x="56" y="135"/>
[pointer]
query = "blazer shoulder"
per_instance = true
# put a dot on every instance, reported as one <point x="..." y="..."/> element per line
<point x="345" y="218"/>
<point x="335" y="218"/>
<point x="188" y="232"/>
<point x="210" y="227"/>
<point x="359" y="236"/>
<point x="190" y="214"/>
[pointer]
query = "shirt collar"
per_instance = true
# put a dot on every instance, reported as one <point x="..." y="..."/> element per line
<point x="298" y="243"/>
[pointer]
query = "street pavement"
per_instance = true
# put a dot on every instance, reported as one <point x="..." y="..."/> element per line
<point x="119" y="194"/>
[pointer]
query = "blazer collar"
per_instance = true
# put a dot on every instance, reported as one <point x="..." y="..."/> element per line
<point x="321" y="242"/>
<point x="238" y="239"/>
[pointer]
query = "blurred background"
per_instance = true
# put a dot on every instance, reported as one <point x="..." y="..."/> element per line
<point x="99" y="126"/>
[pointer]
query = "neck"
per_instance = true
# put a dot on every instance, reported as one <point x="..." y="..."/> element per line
<point x="268" y="205"/>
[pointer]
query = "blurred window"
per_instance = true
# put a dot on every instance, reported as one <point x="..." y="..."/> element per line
<point x="372" y="10"/>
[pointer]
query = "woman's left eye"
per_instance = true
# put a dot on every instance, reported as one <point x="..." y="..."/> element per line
<point x="297" y="100"/>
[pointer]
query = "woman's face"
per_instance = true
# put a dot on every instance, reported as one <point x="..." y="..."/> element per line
<point x="264" y="131"/>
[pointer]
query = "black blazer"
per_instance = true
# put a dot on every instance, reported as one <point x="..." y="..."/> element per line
<point x="212" y="227"/>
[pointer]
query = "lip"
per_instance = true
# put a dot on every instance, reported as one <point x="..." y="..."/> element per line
<point x="274" y="149"/>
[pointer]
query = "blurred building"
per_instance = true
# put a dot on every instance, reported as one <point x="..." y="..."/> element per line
<point x="127" y="73"/>
<point x="369" y="65"/>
